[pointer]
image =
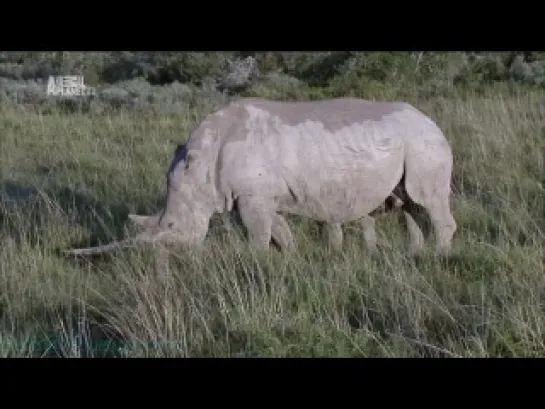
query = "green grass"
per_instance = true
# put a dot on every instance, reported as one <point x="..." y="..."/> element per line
<point x="68" y="181"/>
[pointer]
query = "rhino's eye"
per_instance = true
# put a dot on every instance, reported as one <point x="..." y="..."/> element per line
<point x="170" y="225"/>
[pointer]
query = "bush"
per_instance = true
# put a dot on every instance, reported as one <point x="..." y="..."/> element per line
<point x="167" y="81"/>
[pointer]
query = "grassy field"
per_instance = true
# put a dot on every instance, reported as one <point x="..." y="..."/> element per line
<point x="71" y="180"/>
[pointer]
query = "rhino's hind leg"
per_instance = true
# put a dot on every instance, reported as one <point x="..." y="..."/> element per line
<point x="443" y="223"/>
<point x="416" y="237"/>
<point x="257" y="217"/>
<point x="431" y="189"/>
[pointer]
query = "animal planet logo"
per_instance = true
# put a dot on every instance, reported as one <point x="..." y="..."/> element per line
<point x="68" y="85"/>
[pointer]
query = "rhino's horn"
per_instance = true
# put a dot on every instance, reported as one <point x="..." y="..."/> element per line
<point x="144" y="221"/>
<point x="107" y="248"/>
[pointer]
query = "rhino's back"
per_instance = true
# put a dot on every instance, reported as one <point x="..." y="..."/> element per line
<point x="333" y="114"/>
<point x="339" y="157"/>
<point x="330" y="134"/>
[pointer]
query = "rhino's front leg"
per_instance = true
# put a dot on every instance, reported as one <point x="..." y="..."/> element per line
<point x="256" y="215"/>
<point x="281" y="233"/>
<point x="332" y="236"/>
<point x="367" y="224"/>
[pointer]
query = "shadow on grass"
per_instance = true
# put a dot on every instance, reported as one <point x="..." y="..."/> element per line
<point x="85" y="334"/>
<point x="26" y="210"/>
<point x="60" y="331"/>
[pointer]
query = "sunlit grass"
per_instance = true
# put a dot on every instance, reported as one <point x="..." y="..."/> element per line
<point x="71" y="180"/>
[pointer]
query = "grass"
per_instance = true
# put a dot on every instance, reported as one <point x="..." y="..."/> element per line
<point x="71" y="180"/>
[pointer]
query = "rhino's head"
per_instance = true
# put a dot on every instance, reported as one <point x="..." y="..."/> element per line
<point x="191" y="200"/>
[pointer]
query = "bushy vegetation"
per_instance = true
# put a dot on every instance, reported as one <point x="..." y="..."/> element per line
<point x="73" y="168"/>
<point x="166" y="82"/>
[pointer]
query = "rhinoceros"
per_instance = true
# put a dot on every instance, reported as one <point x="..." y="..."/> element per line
<point x="334" y="161"/>
<point x="332" y="232"/>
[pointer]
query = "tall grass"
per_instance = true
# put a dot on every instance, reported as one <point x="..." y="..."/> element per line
<point x="71" y="180"/>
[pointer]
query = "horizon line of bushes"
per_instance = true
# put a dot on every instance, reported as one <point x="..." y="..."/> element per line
<point x="168" y="82"/>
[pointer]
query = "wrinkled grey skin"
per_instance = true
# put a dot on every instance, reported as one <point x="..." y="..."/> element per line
<point x="332" y="234"/>
<point x="334" y="161"/>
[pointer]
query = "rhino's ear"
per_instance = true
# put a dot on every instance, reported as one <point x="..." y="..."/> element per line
<point x="181" y="152"/>
<point x="190" y="158"/>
